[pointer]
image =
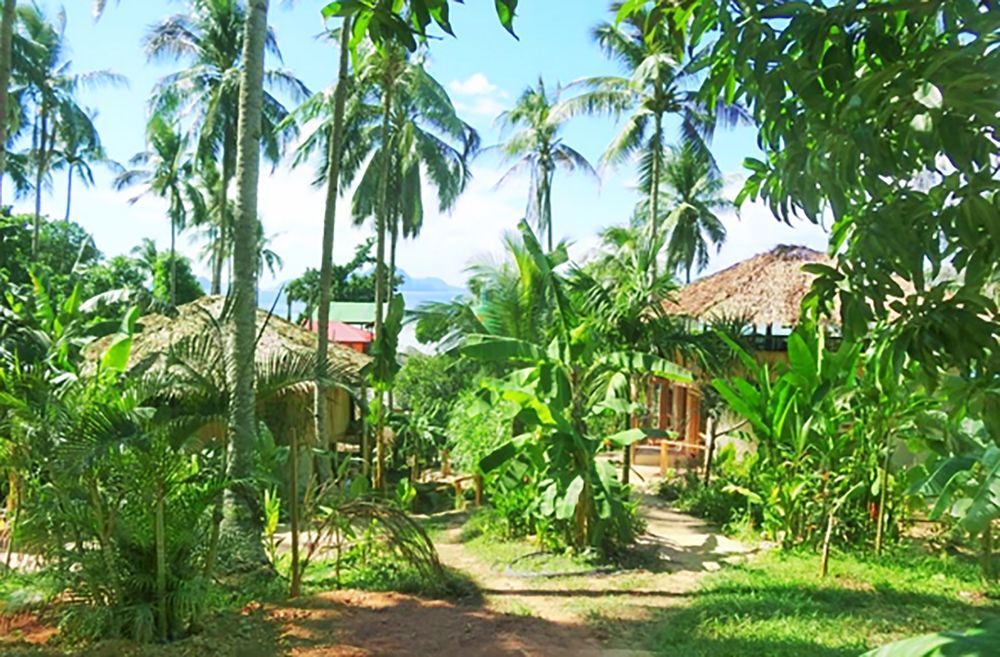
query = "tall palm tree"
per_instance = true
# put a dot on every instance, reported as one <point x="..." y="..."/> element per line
<point x="538" y="147"/>
<point x="329" y="109"/>
<point x="6" y="56"/>
<point x="208" y="38"/>
<point x="78" y="147"/>
<point x="51" y="94"/>
<point x="166" y="171"/>
<point x="657" y="64"/>
<point x="241" y="526"/>
<point x="692" y="200"/>
<point x="418" y="137"/>
<point x="424" y="139"/>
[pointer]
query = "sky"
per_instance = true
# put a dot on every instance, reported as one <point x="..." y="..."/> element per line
<point x="484" y="69"/>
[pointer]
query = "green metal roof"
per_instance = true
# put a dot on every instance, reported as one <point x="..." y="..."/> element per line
<point x="353" y="312"/>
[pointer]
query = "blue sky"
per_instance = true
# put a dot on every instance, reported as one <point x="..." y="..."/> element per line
<point x="484" y="68"/>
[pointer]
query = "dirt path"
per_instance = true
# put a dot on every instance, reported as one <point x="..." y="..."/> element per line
<point x="519" y="616"/>
<point x="683" y="549"/>
<point x="580" y="616"/>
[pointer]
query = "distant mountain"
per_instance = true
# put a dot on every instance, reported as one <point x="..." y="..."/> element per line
<point x="416" y="292"/>
<point x="429" y="284"/>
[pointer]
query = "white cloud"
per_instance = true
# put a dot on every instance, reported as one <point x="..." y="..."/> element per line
<point x="476" y="84"/>
<point x="477" y="96"/>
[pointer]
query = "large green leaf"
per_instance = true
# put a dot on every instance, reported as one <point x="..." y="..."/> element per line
<point x="982" y="641"/>
<point x="500" y="349"/>
<point x="567" y="505"/>
<point x="639" y="363"/>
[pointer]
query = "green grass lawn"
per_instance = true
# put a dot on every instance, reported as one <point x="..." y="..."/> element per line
<point x="777" y="606"/>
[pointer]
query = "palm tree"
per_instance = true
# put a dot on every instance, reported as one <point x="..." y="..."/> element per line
<point x="537" y="146"/>
<point x="423" y="139"/>
<point x="692" y="198"/>
<point x="209" y="39"/>
<point x="165" y="171"/>
<point x="330" y="109"/>
<point x="506" y="298"/>
<point x="50" y="92"/>
<point x="241" y="525"/>
<point x="657" y="63"/>
<point x="416" y="134"/>
<point x="6" y="47"/>
<point x="78" y="147"/>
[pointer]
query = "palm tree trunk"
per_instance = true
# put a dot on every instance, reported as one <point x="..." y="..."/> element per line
<point x="161" y="563"/>
<point x="295" y="587"/>
<point x="223" y="201"/>
<point x="42" y="132"/>
<point x="6" y="42"/>
<point x="326" y="265"/>
<point x="173" y="260"/>
<point x="241" y="528"/>
<point x="380" y="282"/>
<point x="654" y="189"/>
<point x="391" y="290"/>
<point x="547" y="203"/>
<point x="69" y="191"/>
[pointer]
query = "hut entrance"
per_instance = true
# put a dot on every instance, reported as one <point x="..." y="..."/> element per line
<point x="674" y="408"/>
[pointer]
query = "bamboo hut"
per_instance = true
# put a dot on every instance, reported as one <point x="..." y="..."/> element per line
<point x="765" y="292"/>
<point x="289" y="411"/>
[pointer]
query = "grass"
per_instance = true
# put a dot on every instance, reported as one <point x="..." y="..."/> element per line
<point x="777" y="606"/>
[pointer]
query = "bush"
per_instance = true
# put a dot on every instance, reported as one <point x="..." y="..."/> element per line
<point x="476" y="428"/>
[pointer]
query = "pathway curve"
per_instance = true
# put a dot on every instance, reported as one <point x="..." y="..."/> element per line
<point x="683" y="549"/>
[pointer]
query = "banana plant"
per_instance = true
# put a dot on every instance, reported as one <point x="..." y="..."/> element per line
<point x="557" y="389"/>
<point x="962" y="480"/>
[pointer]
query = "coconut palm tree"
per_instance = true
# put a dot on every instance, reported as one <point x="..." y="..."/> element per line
<point x="424" y="139"/>
<point x="166" y="171"/>
<point x="657" y="65"/>
<point x="208" y="38"/>
<point x="419" y="137"/>
<point x="692" y="198"/>
<point x="6" y="56"/>
<point x="329" y="108"/>
<point x="51" y="95"/>
<point x="241" y="528"/>
<point x="537" y="146"/>
<point x="78" y="147"/>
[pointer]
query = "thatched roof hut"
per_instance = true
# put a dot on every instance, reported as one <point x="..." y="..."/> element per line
<point x="156" y="333"/>
<point x="287" y="411"/>
<point x="765" y="290"/>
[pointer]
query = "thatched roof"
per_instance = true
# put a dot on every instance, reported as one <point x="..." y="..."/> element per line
<point x="156" y="332"/>
<point x="765" y="289"/>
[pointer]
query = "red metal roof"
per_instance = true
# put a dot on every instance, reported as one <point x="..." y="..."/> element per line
<point x="341" y="333"/>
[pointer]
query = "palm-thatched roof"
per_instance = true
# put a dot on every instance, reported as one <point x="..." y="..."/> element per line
<point x="766" y="289"/>
<point x="155" y="333"/>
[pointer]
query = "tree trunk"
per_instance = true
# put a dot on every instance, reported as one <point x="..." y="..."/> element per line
<point x="654" y="190"/>
<point x="173" y="261"/>
<point x="41" y="139"/>
<point x="989" y="568"/>
<point x="380" y="282"/>
<point x="295" y="588"/>
<point x="6" y="41"/>
<point x="547" y="203"/>
<point x="161" y="564"/>
<point x="219" y="258"/>
<point x="326" y="264"/>
<point x="824" y="560"/>
<point x="69" y="191"/>
<point x="241" y="526"/>
<point x="883" y="496"/>
<point x="391" y="292"/>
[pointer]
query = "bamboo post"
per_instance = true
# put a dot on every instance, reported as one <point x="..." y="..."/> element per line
<point x="664" y="458"/>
